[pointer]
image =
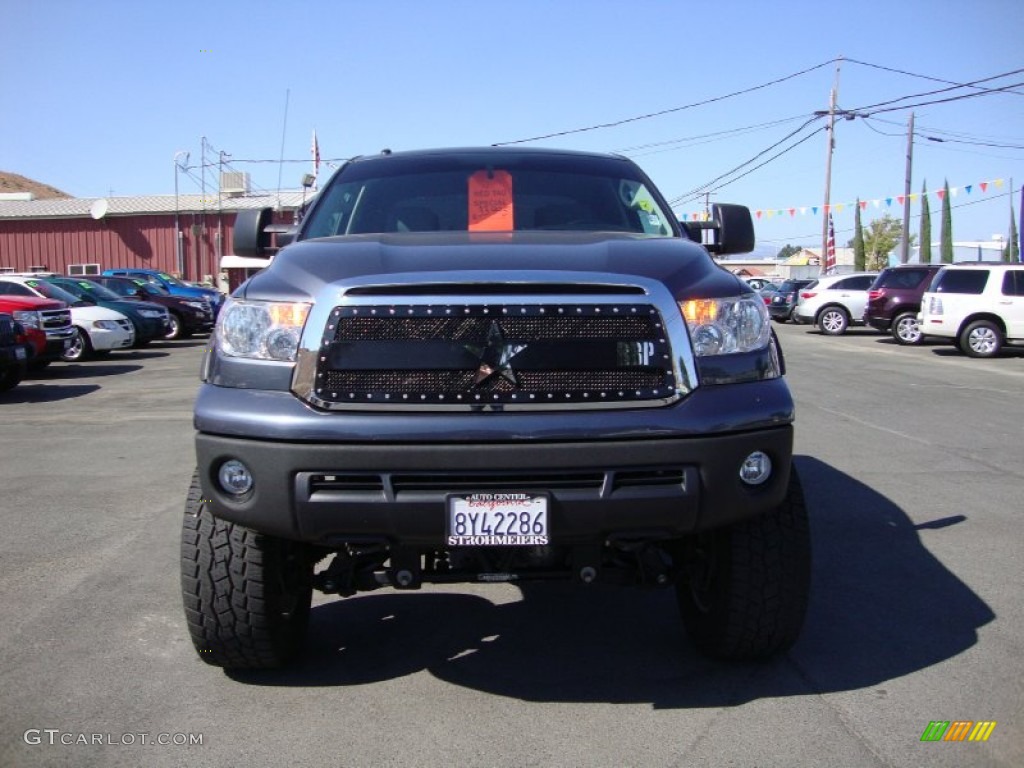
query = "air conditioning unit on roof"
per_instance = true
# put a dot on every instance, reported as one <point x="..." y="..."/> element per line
<point x="234" y="183"/>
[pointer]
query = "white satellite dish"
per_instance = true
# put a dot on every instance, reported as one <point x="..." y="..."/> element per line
<point x="99" y="208"/>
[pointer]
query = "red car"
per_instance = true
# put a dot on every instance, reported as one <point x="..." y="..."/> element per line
<point x="47" y="325"/>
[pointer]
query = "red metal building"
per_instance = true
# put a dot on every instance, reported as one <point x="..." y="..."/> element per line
<point x="82" y="236"/>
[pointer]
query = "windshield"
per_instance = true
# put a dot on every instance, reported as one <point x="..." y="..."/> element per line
<point x="52" y="291"/>
<point x="169" y="279"/>
<point x="150" y="289"/>
<point x="84" y="289"/>
<point x="504" y="194"/>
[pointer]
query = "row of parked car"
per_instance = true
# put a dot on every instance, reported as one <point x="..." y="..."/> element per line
<point x="46" y="317"/>
<point x="979" y="305"/>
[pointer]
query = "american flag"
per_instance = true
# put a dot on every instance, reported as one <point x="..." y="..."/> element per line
<point x="830" y="249"/>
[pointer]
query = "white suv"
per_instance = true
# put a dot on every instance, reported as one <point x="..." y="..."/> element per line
<point x="834" y="302"/>
<point x="980" y="305"/>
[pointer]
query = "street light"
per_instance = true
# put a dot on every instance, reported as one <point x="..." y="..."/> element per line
<point x="177" y="226"/>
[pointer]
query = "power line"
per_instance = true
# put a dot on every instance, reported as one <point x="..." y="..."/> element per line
<point x="671" y="144"/>
<point x="937" y="139"/>
<point x="988" y="92"/>
<point x="696" y="191"/>
<point x="914" y="74"/>
<point x="671" y="110"/>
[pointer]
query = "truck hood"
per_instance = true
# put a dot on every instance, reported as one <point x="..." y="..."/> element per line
<point x="302" y="269"/>
<point x="11" y="303"/>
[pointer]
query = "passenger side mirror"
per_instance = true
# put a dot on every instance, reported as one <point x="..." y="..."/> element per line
<point x="731" y="228"/>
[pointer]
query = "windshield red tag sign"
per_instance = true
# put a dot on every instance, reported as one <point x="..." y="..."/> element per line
<point x="490" y="201"/>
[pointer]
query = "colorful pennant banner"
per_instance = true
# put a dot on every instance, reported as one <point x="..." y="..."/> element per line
<point x="837" y="208"/>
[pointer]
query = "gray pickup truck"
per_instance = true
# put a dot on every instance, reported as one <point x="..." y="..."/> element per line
<point x="492" y="365"/>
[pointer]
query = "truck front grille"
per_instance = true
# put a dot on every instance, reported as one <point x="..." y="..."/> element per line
<point x="486" y="354"/>
<point x="56" y="319"/>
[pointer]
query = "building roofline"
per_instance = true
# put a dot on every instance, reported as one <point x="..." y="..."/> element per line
<point x="141" y="205"/>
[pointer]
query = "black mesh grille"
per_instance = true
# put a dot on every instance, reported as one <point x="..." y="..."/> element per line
<point x="475" y="329"/>
<point x="469" y="354"/>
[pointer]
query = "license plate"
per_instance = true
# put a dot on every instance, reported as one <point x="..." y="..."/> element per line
<point x="19" y="353"/>
<point x="497" y="520"/>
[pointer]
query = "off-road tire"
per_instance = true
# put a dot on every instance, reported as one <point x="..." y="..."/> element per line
<point x="247" y="596"/>
<point x="906" y="330"/>
<point x="982" y="338"/>
<point x="833" y="321"/>
<point x="744" y="589"/>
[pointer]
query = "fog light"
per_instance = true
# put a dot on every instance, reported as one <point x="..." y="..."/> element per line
<point x="756" y="468"/>
<point x="235" y="477"/>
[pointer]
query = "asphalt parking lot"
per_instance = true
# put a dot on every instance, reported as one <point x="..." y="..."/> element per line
<point x="912" y="464"/>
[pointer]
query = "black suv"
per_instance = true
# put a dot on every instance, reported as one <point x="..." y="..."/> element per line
<point x="894" y="300"/>
<point x="493" y="365"/>
<point x="188" y="315"/>
<point x="781" y="302"/>
<point x="14" y="353"/>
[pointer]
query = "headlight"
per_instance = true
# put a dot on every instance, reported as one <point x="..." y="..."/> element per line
<point x="197" y="305"/>
<point x="27" y="317"/>
<point x="724" y="326"/>
<point x="105" y="325"/>
<point x="263" y="330"/>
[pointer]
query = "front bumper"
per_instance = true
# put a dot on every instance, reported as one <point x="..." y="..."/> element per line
<point x="646" y="473"/>
<point x="104" y="339"/>
<point x="57" y="343"/>
<point x="149" y="328"/>
<point x="15" y="355"/>
<point x="330" y="494"/>
<point x="197" y="322"/>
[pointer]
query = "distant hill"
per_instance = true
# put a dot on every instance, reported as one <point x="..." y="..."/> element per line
<point x="13" y="182"/>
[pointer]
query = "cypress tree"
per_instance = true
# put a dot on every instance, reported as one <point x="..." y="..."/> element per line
<point x="1011" y="252"/>
<point x="946" y="242"/>
<point x="858" y="241"/>
<point x="925" y="255"/>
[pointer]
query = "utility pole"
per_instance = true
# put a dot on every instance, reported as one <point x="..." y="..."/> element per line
<point x="826" y="207"/>
<point x="1020" y="224"/>
<point x="178" y="251"/>
<point x="707" y="203"/>
<point x="202" y="215"/>
<point x="220" y="210"/>
<point x="905" y="245"/>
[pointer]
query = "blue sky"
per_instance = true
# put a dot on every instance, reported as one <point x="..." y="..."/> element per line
<point x="99" y="95"/>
